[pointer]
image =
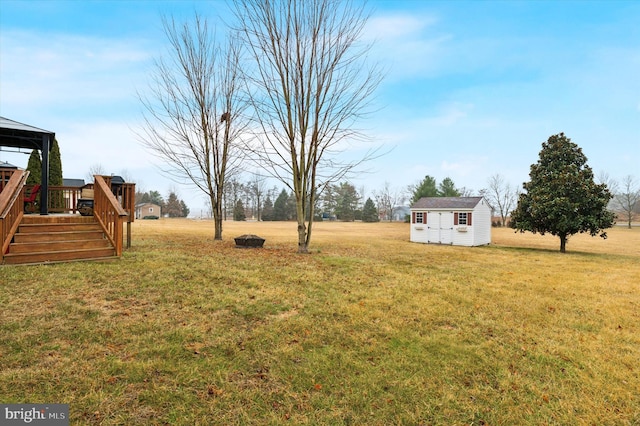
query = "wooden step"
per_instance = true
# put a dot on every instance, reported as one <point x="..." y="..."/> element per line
<point x="58" y="236"/>
<point x="49" y="246"/>
<point x="37" y="228"/>
<point x="63" y="238"/>
<point x="58" y="256"/>
<point x="35" y="219"/>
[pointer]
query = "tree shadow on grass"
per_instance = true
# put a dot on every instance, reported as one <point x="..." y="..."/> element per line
<point x="521" y="249"/>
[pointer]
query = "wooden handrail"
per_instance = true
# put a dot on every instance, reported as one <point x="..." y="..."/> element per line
<point x="5" y="175"/>
<point x="108" y="213"/>
<point x="11" y="208"/>
<point x="127" y="195"/>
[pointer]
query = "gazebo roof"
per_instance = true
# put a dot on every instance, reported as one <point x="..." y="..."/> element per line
<point x="18" y="135"/>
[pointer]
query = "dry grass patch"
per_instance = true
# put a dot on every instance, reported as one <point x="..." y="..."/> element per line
<point x="369" y="329"/>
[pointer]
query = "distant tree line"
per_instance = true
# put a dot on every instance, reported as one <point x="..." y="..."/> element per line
<point x="340" y="201"/>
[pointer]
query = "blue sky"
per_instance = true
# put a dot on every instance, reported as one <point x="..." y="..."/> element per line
<point x="472" y="88"/>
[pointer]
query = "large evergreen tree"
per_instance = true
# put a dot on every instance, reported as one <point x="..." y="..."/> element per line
<point x="426" y="188"/>
<point x="185" y="209"/>
<point x="280" y="206"/>
<point x="56" y="198"/>
<point x="172" y="207"/>
<point x="55" y="165"/>
<point x="238" y="212"/>
<point x="370" y="212"/>
<point x="267" y="209"/>
<point x="152" y="197"/>
<point x="447" y="188"/>
<point x="562" y="198"/>
<point x="346" y="201"/>
<point x="35" y="168"/>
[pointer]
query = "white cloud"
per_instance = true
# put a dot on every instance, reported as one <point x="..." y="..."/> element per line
<point x="396" y="27"/>
<point x="404" y="43"/>
<point x="57" y="71"/>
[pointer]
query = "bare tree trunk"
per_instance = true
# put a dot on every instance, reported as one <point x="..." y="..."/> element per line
<point x="501" y="197"/>
<point x="310" y="85"/>
<point x="627" y="198"/>
<point x="194" y="112"/>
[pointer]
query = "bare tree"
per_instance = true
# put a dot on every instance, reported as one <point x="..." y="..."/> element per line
<point x="310" y="85"/>
<point x="194" y="110"/>
<point x="233" y="191"/>
<point x="612" y="184"/>
<point x="628" y="198"/>
<point x="95" y="169"/>
<point x="501" y="196"/>
<point x="387" y="199"/>
<point x="257" y="186"/>
<point x="466" y="192"/>
<point x="126" y="175"/>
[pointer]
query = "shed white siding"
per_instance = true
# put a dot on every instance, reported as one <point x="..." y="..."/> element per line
<point x="463" y="221"/>
<point x="482" y="224"/>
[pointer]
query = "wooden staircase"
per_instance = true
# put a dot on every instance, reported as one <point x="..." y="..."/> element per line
<point x="58" y="238"/>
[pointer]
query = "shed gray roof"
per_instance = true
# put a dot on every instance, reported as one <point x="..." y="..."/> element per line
<point x="446" y="203"/>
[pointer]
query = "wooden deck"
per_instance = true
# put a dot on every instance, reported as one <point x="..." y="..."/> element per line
<point x="58" y="238"/>
<point x="47" y="238"/>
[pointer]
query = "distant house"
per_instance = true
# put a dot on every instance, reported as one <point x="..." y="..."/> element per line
<point x="461" y="221"/>
<point x="148" y="210"/>
<point x="400" y="213"/>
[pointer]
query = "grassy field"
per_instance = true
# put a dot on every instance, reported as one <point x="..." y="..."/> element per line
<point x="368" y="329"/>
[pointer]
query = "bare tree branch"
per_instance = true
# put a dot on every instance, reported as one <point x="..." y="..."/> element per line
<point x="502" y="197"/>
<point x="310" y="86"/>
<point x="627" y="199"/>
<point x="195" y="114"/>
<point x="387" y="199"/>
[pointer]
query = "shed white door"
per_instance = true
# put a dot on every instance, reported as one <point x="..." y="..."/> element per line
<point x="440" y="227"/>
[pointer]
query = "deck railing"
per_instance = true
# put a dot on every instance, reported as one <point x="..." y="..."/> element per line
<point x="108" y="213"/>
<point x="126" y="194"/>
<point x="63" y="199"/>
<point x="5" y="175"/>
<point x="11" y="207"/>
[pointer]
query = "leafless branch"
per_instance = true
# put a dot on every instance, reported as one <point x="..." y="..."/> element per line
<point x="310" y="86"/>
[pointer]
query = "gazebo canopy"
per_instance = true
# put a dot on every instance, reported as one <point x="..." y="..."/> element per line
<point x="19" y="135"/>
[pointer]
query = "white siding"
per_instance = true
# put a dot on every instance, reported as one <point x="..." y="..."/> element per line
<point x="482" y="224"/>
<point x="419" y="231"/>
<point x="463" y="234"/>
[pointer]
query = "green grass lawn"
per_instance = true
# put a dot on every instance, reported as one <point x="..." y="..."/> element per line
<point x="368" y="329"/>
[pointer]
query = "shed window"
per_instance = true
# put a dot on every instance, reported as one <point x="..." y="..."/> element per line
<point x="150" y="209"/>
<point x="419" y="217"/>
<point x="462" y="218"/>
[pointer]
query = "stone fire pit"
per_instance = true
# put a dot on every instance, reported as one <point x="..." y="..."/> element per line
<point x="249" y="241"/>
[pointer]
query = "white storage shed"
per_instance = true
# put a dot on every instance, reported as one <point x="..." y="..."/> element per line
<point x="461" y="221"/>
